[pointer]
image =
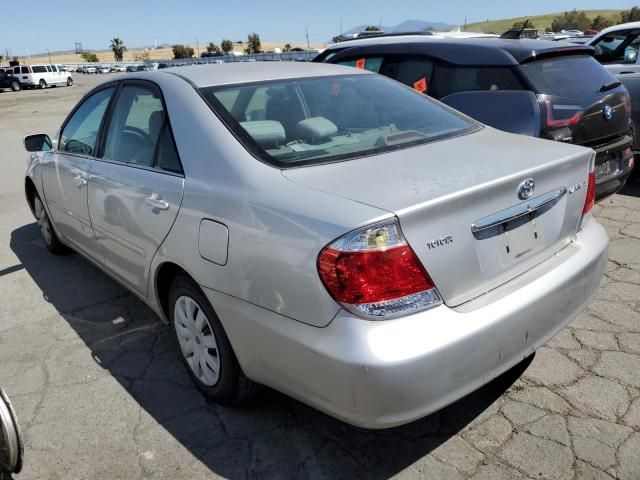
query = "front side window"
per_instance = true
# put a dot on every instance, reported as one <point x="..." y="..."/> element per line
<point x="139" y="132"/>
<point x="618" y="47"/>
<point x="316" y="120"/>
<point x="80" y="133"/>
<point x="367" y="63"/>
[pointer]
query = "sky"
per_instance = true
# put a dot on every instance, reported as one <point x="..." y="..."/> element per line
<point x="58" y="25"/>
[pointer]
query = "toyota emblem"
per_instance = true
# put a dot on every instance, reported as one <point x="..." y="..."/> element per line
<point x="526" y="188"/>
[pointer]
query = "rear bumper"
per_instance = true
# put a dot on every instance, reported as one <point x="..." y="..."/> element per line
<point x="379" y="374"/>
<point x="612" y="182"/>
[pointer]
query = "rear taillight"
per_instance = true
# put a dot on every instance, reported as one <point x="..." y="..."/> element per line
<point x="590" y="199"/>
<point x="373" y="272"/>
<point x="559" y="123"/>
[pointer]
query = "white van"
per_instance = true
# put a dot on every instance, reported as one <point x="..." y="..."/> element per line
<point x="42" y="75"/>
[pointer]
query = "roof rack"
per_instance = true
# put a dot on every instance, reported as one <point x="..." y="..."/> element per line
<point x="396" y="34"/>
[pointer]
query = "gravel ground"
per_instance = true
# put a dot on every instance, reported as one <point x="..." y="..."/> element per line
<point x="100" y="392"/>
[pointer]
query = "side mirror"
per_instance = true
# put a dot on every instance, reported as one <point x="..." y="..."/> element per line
<point x="39" y="142"/>
<point x="630" y="55"/>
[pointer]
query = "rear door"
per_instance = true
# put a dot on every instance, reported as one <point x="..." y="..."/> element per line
<point x="66" y="172"/>
<point x="135" y="189"/>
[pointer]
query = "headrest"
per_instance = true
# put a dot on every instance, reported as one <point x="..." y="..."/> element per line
<point x="315" y="128"/>
<point x="267" y="133"/>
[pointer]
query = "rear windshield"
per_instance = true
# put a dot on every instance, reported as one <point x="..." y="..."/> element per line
<point x="572" y="77"/>
<point x="297" y="122"/>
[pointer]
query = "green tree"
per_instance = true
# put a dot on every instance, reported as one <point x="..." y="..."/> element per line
<point x="372" y="28"/>
<point x="632" y="15"/>
<point x="287" y="47"/>
<point x="118" y="48"/>
<point x="253" y="44"/>
<point x="521" y="25"/>
<point x="180" y="51"/>
<point x="89" y="57"/>
<point x="213" y="48"/>
<point x="571" y="20"/>
<point x="600" y="23"/>
<point x="226" y="45"/>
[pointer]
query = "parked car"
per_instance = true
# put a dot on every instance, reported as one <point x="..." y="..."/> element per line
<point x="118" y="68"/>
<point x="41" y="76"/>
<point x="616" y="48"/>
<point x="104" y="69"/>
<point x="551" y="90"/>
<point x="325" y="220"/>
<point x="9" y="81"/>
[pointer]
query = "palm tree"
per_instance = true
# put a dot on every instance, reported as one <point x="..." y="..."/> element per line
<point x="118" y="48"/>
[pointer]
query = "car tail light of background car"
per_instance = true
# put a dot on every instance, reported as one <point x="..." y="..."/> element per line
<point x="374" y="273"/>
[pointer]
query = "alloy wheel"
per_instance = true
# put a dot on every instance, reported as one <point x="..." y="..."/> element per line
<point x="197" y="340"/>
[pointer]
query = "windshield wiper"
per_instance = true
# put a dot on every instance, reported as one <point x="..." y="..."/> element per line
<point x="610" y="86"/>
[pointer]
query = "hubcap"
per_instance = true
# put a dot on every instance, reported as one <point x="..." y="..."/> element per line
<point x="43" y="221"/>
<point x="197" y="340"/>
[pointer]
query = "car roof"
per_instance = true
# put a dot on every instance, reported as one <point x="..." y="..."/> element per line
<point x="474" y="51"/>
<point x="209" y="75"/>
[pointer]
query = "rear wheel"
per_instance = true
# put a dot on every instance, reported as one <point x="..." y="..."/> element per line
<point x="204" y="346"/>
<point x="49" y="236"/>
<point x="69" y="81"/>
<point x="15" y="86"/>
<point x="42" y="83"/>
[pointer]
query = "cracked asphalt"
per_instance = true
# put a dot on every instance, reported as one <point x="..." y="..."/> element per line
<point x="100" y="392"/>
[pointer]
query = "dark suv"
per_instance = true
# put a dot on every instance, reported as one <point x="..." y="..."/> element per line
<point x="9" y="81"/>
<point x="545" y="89"/>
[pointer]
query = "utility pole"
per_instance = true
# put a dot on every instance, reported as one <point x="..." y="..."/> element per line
<point x="48" y="53"/>
<point x="340" y="26"/>
<point x="197" y="48"/>
<point x="307" y="33"/>
<point x="465" y="23"/>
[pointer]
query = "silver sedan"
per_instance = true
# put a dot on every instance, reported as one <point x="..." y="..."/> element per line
<point x="322" y="230"/>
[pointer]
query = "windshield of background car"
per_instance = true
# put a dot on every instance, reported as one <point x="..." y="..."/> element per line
<point x="297" y="122"/>
<point x="570" y="77"/>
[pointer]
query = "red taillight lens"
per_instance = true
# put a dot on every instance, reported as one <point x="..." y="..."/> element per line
<point x="559" y="123"/>
<point x="375" y="273"/>
<point x="590" y="200"/>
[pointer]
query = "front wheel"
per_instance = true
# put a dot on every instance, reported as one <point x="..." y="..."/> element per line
<point x="51" y="240"/>
<point x="42" y="84"/>
<point x="15" y="86"/>
<point x="204" y="346"/>
<point x="69" y="81"/>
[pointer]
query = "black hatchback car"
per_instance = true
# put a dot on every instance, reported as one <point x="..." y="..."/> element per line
<point x="545" y="89"/>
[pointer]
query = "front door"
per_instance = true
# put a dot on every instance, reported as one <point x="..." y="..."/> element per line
<point x="135" y="188"/>
<point x="66" y="172"/>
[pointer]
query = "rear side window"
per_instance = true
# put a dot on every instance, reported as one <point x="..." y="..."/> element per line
<point x="571" y="77"/>
<point x="453" y="79"/>
<point x="413" y="71"/>
<point x="38" y="69"/>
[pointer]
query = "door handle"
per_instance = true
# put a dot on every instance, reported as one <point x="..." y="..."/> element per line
<point x="80" y="181"/>
<point x="156" y="201"/>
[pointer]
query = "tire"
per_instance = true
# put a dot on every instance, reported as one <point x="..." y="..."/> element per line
<point x="15" y="86"/>
<point x="42" y="83"/>
<point x="188" y="307"/>
<point x="51" y="240"/>
<point x="69" y="81"/>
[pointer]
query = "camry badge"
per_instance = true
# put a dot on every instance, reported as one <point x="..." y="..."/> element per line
<point x="526" y="188"/>
<point x="607" y="112"/>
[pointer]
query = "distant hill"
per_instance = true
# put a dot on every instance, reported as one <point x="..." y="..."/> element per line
<point x="541" y="22"/>
<point x="406" y="26"/>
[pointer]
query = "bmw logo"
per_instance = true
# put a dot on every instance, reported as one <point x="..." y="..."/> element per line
<point x="526" y="188"/>
<point x="607" y="112"/>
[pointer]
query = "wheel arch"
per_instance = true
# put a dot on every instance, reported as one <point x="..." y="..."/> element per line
<point x="30" y="191"/>
<point x="162" y="280"/>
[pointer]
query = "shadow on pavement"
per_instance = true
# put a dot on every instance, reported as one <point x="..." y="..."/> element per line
<point x="273" y="436"/>
<point x="632" y="188"/>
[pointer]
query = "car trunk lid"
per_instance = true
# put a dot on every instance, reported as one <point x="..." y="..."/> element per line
<point x="458" y="206"/>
